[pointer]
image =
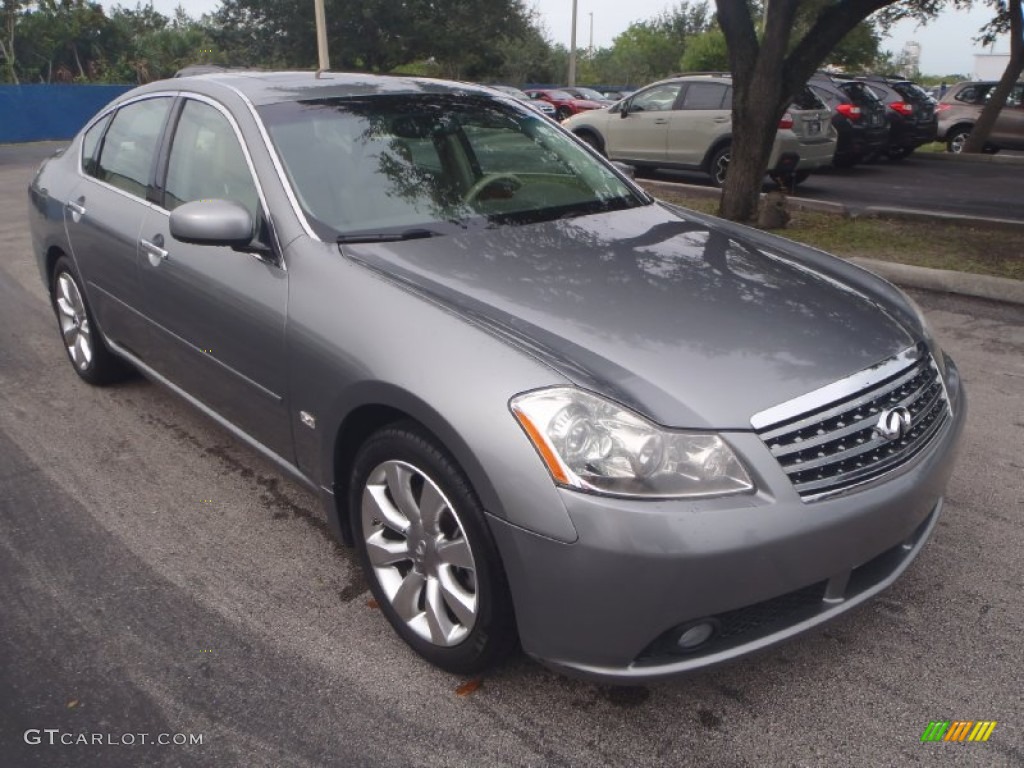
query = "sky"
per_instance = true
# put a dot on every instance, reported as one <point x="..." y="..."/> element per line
<point x="946" y="43"/>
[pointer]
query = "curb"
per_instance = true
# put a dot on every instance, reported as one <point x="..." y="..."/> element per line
<point x="949" y="157"/>
<point x="1002" y="289"/>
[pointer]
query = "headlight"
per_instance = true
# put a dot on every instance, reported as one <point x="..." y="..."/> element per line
<point x="593" y="444"/>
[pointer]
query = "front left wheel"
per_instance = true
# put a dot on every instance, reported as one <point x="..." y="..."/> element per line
<point x="427" y="552"/>
<point x="88" y="354"/>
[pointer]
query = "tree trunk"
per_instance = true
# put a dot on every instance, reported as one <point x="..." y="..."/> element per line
<point x="755" y="117"/>
<point x="757" y="100"/>
<point x="987" y="119"/>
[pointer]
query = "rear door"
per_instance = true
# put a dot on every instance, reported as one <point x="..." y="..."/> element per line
<point x="703" y="116"/>
<point x="642" y="132"/>
<point x="104" y="213"/>
<point x="218" y="314"/>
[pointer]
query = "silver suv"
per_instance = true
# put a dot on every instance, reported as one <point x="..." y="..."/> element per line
<point x="685" y="122"/>
<point x="961" y="106"/>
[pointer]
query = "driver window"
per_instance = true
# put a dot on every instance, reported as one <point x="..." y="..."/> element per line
<point x="658" y="99"/>
<point x="206" y="161"/>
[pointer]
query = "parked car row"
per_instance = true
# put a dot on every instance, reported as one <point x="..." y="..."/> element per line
<point x="685" y="123"/>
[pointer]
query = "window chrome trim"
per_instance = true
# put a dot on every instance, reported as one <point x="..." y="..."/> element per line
<point x="186" y="95"/>
<point x="837" y="390"/>
<point x="276" y="160"/>
<point x="99" y="116"/>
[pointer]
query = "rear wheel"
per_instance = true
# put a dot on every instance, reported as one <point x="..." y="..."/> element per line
<point x="719" y="165"/>
<point x="957" y="139"/>
<point x="82" y="342"/>
<point x="427" y="552"/>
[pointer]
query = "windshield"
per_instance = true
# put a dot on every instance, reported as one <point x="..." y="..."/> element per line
<point x="589" y="93"/>
<point x="432" y="164"/>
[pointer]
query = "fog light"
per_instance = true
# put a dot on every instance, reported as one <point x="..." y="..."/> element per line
<point x="696" y="634"/>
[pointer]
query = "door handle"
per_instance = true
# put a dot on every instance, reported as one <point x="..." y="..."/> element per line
<point x="154" y="249"/>
<point x="722" y="119"/>
<point x="661" y="121"/>
<point x="76" y="209"/>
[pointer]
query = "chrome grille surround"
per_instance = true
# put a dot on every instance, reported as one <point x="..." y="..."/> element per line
<point x="826" y="441"/>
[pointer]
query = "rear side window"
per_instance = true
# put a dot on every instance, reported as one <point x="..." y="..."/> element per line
<point x="704" y="96"/>
<point x="129" y="146"/>
<point x="90" y="143"/>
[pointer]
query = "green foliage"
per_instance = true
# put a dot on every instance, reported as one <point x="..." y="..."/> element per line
<point x="706" y="53"/>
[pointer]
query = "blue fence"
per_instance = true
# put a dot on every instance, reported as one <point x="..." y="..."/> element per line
<point x="41" y="112"/>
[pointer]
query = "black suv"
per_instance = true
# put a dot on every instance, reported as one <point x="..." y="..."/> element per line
<point x="911" y="111"/>
<point x="859" y="117"/>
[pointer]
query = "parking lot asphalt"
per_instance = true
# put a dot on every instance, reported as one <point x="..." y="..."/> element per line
<point x="157" y="576"/>
<point x="923" y="182"/>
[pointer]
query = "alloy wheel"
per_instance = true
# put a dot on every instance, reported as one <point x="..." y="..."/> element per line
<point x="419" y="553"/>
<point x="74" y="322"/>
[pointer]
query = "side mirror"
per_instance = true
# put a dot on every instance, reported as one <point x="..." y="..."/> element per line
<point x="624" y="111"/>
<point x="212" y="222"/>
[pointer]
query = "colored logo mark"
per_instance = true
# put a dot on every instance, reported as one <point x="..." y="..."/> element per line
<point x="959" y="730"/>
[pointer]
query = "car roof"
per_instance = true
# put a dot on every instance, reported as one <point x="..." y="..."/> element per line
<point x="273" y="87"/>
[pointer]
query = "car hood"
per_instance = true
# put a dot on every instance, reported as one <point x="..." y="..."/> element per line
<point x="691" y="321"/>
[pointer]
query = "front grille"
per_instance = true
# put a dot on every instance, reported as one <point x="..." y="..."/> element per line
<point x="836" y="446"/>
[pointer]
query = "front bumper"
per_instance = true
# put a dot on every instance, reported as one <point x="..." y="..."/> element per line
<point x="763" y="567"/>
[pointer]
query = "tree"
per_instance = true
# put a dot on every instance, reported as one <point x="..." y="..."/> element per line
<point x="769" y="69"/>
<point x="706" y="53"/>
<point x="10" y="11"/>
<point x="1008" y="18"/>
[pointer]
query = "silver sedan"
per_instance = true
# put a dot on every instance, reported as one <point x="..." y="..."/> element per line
<point x="545" y="408"/>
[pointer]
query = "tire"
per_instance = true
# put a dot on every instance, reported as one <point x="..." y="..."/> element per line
<point x="436" y="576"/>
<point x="591" y="140"/>
<point x="83" y="343"/>
<point x="563" y="113"/>
<point x="896" y="154"/>
<point x="957" y="138"/>
<point x="719" y="165"/>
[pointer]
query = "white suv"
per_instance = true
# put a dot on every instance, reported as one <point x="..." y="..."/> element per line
<point x="685" y="122"/>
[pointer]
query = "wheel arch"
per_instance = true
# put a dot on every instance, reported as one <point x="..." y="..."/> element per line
<point x="53" y="253"/>
<point x="723" y="141"/>
<point x="373" y="406"/>
<point x="587" y="130"/>
<point x="958" y="125"/>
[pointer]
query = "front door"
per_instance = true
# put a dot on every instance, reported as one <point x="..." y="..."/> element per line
<point x="218" y="314"/>
<point x="642" y="134"/>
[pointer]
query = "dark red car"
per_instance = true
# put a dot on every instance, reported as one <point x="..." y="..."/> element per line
<point x="566" y="105"/>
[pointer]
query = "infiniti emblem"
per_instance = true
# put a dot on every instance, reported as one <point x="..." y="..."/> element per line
<point x="893" y="423"/>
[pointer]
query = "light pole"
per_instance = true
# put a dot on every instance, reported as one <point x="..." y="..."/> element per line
<point x="321" y="35"/>
<point x="572" y="48"/>
<point x="590" y="49"/>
